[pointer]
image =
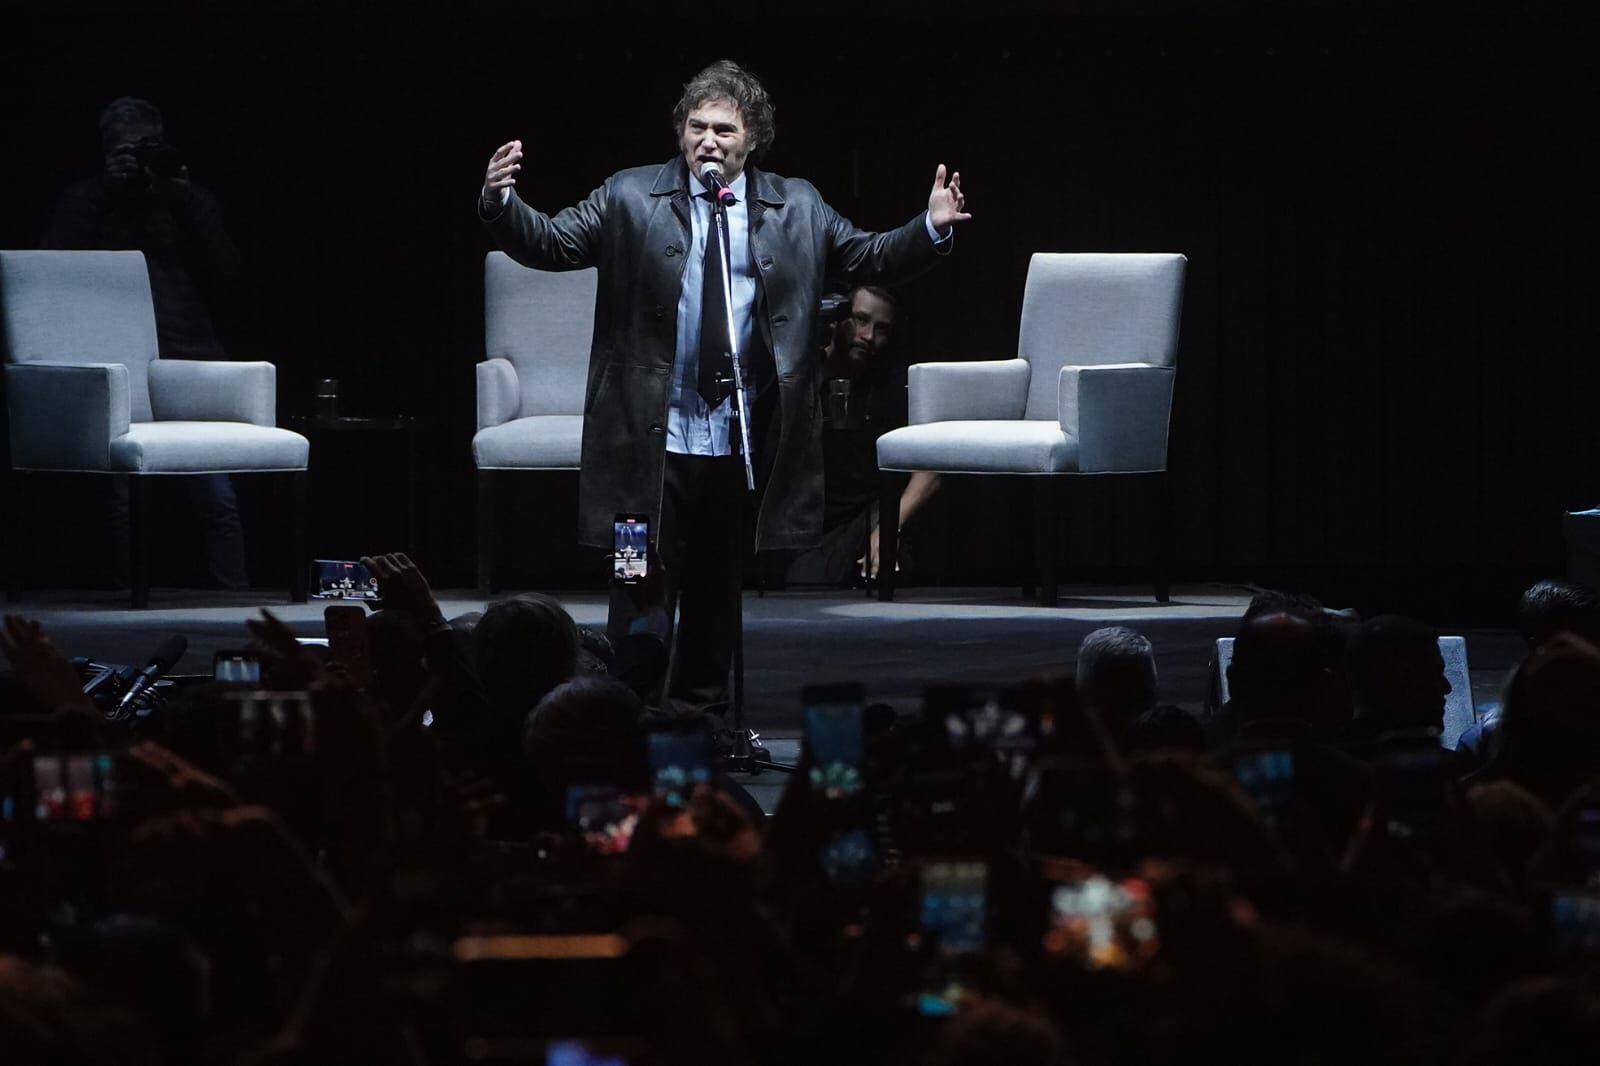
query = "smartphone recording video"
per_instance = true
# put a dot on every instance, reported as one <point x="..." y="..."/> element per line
<point x="1571" y="922"/>
<point x="834" y="737"/>
<point x="1099" y="921"/>
<point x="341" y="579"/>
<point x="999" y="723"/>
<point x="604" y="817"/>
<point x="75" y="787"/>
<point x="1266" y="772"/>
<point x="630" y="557"/>
<point x="236" y="668"/>
<point x="272" y="723"/>
<point x="346" y="626"/>
<point x="1412" y="775"/>
<point x="679" y="760"/>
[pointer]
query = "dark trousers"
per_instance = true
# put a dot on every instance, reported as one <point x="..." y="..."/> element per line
<point x="697" y="543"/>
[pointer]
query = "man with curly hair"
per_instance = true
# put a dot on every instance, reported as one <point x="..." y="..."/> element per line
<point x="659" y="436"/>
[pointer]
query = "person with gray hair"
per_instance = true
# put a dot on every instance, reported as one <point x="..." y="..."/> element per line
<point x="1117" y="674"/>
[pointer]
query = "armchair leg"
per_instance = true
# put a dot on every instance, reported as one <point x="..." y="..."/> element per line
<point x="15" y="536"/>
<point x="298" y="554"/>
<point x="486" y="532"/>
<point x="889" y="489"/>
<point x="1161" y="488"/>
<point x="1022" y="536"/>
<point x="1047" y="534"/>
<point x="139" y="540"/>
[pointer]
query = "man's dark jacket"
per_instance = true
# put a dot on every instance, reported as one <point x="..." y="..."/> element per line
<point x="635" y="229"/>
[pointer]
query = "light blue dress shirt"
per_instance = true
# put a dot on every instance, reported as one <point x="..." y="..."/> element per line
<point x="692" y="428"/>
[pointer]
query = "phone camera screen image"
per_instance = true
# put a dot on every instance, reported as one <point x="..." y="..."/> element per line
<point x="833" y="731"/>
<point x="273" y="723"/>
<point x="604" y="817"/>
<point x="955" y="906"/>
<point x="630" y="557"/>
<point x="1572" y="923"/>
<point x="1102" y="923"/>
<point x="994" y="722"/>
<point x="849" y="858"/>
<point x="236" y="668"/>
<point x="678" y="762"/>
<point x="341" y="579"/>
<point x="1267" y="774"/>
<point x="73" y="788"/>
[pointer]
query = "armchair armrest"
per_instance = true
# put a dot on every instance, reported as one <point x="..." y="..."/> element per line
<point x="195" y="390"/>
<point x="965" y="392"/>
<point x="1118" y="413"/>
<point x="64" y="416"/>
<point x="499" y="397"/>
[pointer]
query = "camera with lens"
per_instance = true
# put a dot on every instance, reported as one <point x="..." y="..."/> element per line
<point x="159" y="158"/>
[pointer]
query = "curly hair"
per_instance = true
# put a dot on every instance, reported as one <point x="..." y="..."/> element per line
<point x="727" y="80"/>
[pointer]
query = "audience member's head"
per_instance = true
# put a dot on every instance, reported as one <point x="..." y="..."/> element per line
<point x="1117" y="674"/>
<point x="1550" y="732"/>
<point x="586" y="729"/>
<point x="1516" y="826"/>
<point x="1278" y="668"/>
<point x="526" y="646"/>
<point x="1397" y="673"/>
<point x="1551" y="607"/>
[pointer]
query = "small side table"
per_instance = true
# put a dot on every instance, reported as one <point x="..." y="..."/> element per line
<point x="325" y="433"/>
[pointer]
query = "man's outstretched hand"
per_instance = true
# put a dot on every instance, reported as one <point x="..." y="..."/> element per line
<point x="946" y="204"/>
<point x="502" y="171"/>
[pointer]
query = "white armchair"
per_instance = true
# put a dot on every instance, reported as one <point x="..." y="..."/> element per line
<point x="538" y="326"/>
<point x="1090" y="394"/>
<point x="86" y="393"/>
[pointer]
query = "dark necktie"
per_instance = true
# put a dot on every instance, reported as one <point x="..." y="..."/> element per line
<point x="714" y="360"/>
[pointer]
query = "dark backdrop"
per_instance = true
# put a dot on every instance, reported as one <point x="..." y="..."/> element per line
<point x="1386" y="370"/>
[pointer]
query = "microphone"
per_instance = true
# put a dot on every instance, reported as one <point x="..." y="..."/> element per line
<point x="164" y="659"/>
<point x="711" y="174"/>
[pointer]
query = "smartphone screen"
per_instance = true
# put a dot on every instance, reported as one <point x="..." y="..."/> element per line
<point x="630" y="557"/>
<point x="342" y="579"/>
<point x="1101" y="922"/>
<point x="679" y="760"/>
<point x="346" y="626"/>
<point x="954" y="906"/>
<point x="1572" y="922"/>
<point x="77" y="787"/>
<point x="272" y="723"/>
<point x="833" y="733"/>
<point x="1266" y="773"/>
<point x="1412" y="772"/>
<point x="996" y="723"/>
<point x="236" y="668"/>
<point x="603" y="816"/>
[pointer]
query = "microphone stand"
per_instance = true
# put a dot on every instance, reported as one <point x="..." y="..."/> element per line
<point x="748" y="756"/>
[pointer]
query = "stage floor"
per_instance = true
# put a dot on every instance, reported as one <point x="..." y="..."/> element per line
<point x="972" y="635"/>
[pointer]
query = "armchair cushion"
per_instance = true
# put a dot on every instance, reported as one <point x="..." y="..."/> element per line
<point x="1009" y="446"/>
<point x="499" y="395"/>
<point x="985" y="389"/>
<point x="207" y="447"/>
<point x="192" y="390"/>
<point x="1118" y="413"/>
<point x="539" y="442"/>
<point x="65" y="416"/>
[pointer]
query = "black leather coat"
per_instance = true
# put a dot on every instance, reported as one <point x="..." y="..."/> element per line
<point x="635" y="229"/>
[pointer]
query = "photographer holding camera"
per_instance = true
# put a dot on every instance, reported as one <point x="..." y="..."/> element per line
<point x="143" y="200"/>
